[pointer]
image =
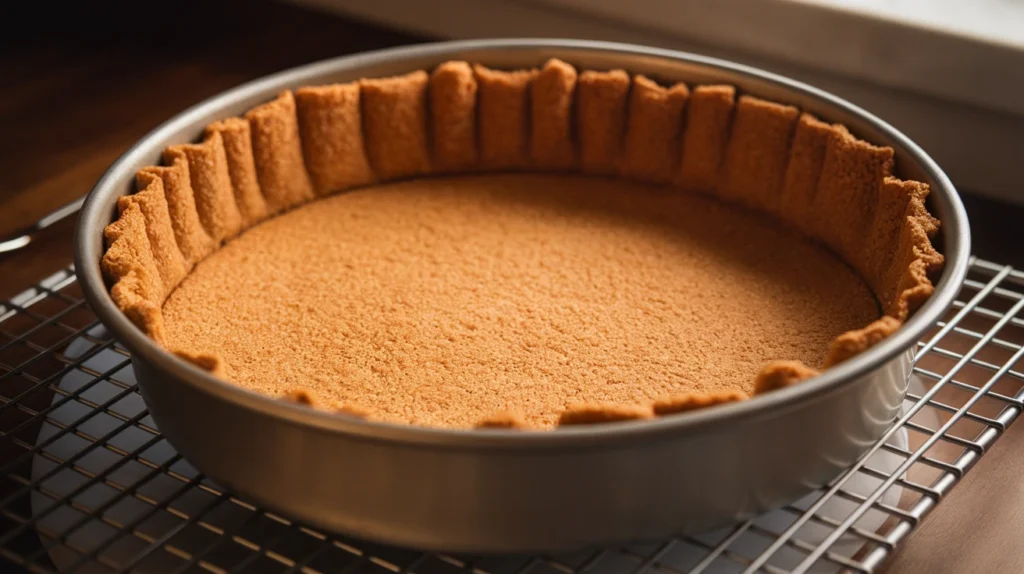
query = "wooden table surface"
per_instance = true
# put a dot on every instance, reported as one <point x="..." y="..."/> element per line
<point x="75" y="96"/>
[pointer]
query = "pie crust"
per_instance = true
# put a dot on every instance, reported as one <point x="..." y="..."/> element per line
<point x="814" y="177"/>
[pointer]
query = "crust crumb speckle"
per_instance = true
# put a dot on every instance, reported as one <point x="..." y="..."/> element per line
<point x="505" y="420"/>
<point x="302" y="397"/>
<point x="310" y="399"/>
<point x="693" y="401"/>
<point x="855" y="342"/>
<point x="214" y="364"/>
<point x="353" y="411"/>
<point x="597" y="414"/>
<point x="780" y="374"/>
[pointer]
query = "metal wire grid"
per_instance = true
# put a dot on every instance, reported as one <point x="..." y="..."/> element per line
<point x="88" y="484"/>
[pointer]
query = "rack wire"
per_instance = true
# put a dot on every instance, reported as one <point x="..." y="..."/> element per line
<point x="88" y="484"/>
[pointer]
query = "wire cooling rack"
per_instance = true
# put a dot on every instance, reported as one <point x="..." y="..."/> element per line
<point x="88" y="484"/>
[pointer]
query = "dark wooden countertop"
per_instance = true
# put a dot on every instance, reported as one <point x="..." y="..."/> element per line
<point x="81" y="87"/>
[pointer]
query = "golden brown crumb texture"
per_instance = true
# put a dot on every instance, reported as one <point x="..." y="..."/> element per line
<point x="320" y="140"/>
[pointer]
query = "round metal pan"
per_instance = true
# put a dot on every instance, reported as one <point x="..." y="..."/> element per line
<point x="509" y="491"/>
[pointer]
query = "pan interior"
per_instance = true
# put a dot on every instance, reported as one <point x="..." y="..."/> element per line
<point x="437" y="301"/>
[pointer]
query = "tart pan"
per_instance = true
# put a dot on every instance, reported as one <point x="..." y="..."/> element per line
<point x="501" y="490"/>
